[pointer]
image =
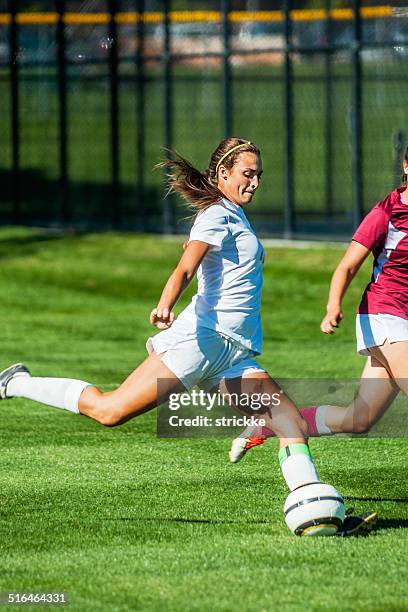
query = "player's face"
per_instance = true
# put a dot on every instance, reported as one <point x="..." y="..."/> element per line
<point x="240" y="182"/>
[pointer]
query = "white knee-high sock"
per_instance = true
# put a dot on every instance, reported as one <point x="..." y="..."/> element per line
<point x="321" y="426"/>
<point x="58" y="392"/>
<point x="297" y="465"/>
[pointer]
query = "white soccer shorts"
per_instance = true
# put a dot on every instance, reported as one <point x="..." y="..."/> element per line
<point x="374" y="329"/>
<point x="199" y="355"/>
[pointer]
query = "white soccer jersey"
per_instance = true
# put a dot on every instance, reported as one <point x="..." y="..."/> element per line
<point x="229" y="277"/>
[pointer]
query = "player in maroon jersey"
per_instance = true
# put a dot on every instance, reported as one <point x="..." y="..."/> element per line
<point x="382" y="317"/>
<point x="381" y="324"/>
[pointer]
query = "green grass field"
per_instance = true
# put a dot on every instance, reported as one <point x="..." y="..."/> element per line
<point x="122" y="520"/>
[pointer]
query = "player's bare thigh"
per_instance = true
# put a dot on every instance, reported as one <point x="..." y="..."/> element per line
<point x="375" y="394"/>
<point x="394" y="357"/>
<point x="145" y="388"/>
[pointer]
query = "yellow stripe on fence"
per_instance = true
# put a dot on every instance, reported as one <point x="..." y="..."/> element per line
<point x="265" y="16"/>
<point x="187" y="16"/>
<point x="86" y="18"/>
<point x="39" y="18"/>
<point x="368" y="12"/>
<point x="309" y="15"/>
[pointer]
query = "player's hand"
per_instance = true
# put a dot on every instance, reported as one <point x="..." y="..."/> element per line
<point x="162" y="318"/>
<point x="331" y="320"/>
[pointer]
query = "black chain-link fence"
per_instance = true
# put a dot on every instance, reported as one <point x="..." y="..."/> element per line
<point x="88" y="100"/>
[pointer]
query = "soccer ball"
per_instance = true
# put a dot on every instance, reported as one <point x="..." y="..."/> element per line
<point x="315" y="509"/>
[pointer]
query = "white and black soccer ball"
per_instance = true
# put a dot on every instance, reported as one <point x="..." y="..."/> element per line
<point x="315" y="509"/>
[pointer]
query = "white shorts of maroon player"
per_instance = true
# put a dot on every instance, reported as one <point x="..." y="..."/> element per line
<point x="201" y="356"/>
<point x="375" y="329"/>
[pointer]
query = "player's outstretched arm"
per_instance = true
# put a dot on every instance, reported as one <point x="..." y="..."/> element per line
<point x="163" y="316"/>
<point x="341" y="279"/>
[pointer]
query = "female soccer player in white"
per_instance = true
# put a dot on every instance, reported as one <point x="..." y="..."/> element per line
<point x="381" y="324"/>
<point x="214" y="340"/>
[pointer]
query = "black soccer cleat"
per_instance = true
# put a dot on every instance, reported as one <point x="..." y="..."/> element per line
<point x="18" y="369"/>
<point x="358" y="524"/>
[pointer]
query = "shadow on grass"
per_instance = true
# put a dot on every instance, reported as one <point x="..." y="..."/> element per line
<point x="25" y="245"/>
<point x="91" y="204"/>
<point x="402" y="500"/>
<point x="381" y="525"/>
<point x="392" y="523"/>
<point x="151" y="519"/>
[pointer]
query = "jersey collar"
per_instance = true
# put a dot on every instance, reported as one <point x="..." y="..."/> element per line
<point x="231" y="206"/>
<point x="398" y="194"/>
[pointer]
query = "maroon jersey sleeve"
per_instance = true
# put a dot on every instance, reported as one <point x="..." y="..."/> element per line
<point x="372" y="231"/>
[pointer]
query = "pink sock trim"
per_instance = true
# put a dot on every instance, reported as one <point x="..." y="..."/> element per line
<point x="309" y="414"/>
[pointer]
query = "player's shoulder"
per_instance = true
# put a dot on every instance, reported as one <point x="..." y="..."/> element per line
<point x="216" y="212"/>
<point x="386" y="205"/>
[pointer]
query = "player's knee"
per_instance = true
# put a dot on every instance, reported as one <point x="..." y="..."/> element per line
<point x="361" y="426"/>
<point x="110" y="418"/>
